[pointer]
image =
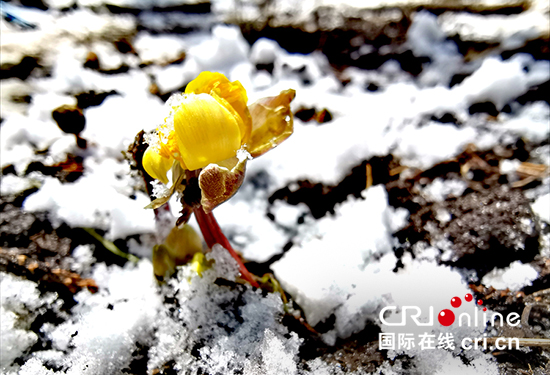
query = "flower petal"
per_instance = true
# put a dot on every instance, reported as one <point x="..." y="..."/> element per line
<point x="156" y="165"/>
<point x="206" y="131"/>
<point x="232" y="92"/>
<point x="272" y="122"/>
<point x="205" y="82"/>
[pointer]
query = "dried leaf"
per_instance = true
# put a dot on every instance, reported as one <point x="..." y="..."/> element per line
<point x="218" y="182"/>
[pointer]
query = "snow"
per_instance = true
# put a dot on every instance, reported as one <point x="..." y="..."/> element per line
<point x="514" y="277"/>
<point x="166" y="80"/>
<point x="427" y="39"/>
<point x="13" y="185"/>
<point x="19" y="156"/>
<point x="422" y="148"/>
<point x="225" y="49"/>
<point x="532" y="122"/>
<point x="122" y="219"/>
<point x="19" y="306"/>
<point x="445" y="363"/>
<point x="107" y="56"/>
<point x="439" y="190"/>
<point x="103" y="337"/>
<point x="265" y="51"/>
<point x="201" y="315"/>
<point x="501" y="81"/>
<point x="542" y="207"/>
<point x="243" y="221"/>
<point x="25" y="130"/>
<point x="137" y="4"/>
<point x="113" y="125"/>
<point x="14" y="340"/>
<point x="84" y="259"/>
<point x="511" y="31"/>
<point x="360" y="232"/>
<point x="509" y="166"/>
<point x="288" y="215"/>
<point x="159" y="49"/>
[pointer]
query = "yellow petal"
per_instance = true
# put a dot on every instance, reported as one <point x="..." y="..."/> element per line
<point x="205" y="82"/>
<point x="272" y="122"/>
<point x="207" y="131"/>
<point x="232" y="92"/>
<point x="155" y="165"/>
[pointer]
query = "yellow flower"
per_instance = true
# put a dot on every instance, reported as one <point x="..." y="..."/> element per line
<point x="205" y="128"/>
<point x="210" y="122"/>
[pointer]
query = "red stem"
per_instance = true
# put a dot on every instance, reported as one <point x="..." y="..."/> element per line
<point x="213" y="235"/>
<point x="202" y="219"/>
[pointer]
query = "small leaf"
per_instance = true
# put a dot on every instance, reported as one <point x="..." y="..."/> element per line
<point x="178" y="176"/>
<point x="158" y="202"/>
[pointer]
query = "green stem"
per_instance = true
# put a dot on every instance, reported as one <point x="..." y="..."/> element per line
<point x="111" y="246"/>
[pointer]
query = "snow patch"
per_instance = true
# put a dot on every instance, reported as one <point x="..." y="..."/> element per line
<point x="514" y="277"/>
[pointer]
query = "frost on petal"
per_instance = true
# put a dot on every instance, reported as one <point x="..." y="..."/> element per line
<point x="218" y="182"/>
<point x="272" y="122"/>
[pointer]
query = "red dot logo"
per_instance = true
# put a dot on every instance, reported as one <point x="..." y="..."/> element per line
<point x="446" y="317"/>
<point x="456" y="302"/>
<point x="479" y="302"/>
<point x="484" y="309"/>
<point x="468" y="297"/>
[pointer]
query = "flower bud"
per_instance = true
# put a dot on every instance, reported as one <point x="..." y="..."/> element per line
<point x="179" y="247"/>
<point x="156" y="165"/>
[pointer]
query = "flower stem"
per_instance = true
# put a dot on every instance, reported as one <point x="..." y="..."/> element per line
<point x="213" y="235"/>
